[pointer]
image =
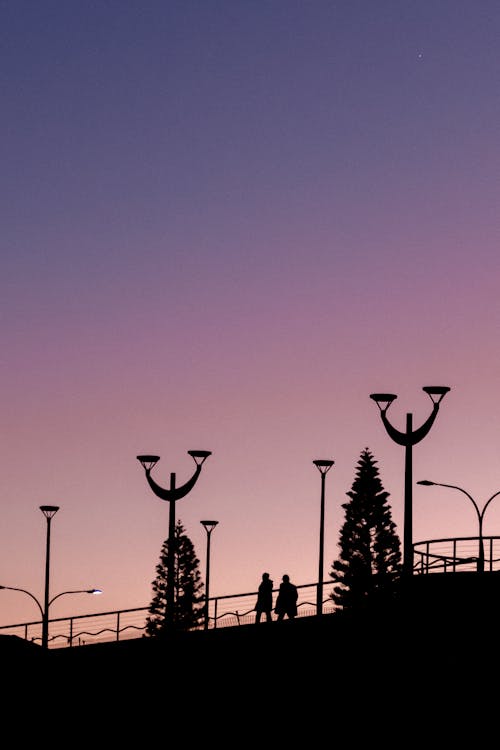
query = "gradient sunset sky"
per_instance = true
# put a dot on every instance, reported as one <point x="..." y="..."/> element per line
<point x="224" y="224"/>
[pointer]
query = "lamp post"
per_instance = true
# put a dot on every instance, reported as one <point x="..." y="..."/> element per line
<point x="171" y="495"/>
<point x="479" y="513"/>
<point x="209" y="527"/>
<point x="324" y="467"/>
<point x="409" y="438"/>
<point x="49" y="512"/>
<point x="44" y="611"/>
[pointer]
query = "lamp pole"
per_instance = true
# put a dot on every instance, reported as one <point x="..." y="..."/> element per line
<point x="324" y="467"/>
<point x="49" y="512"/>
<point x="209" y="527"/>
<point x="409" y="438"/>
<point x="479" y="513"/>
<point x="171" y="495"/>
<point x="45" y="611"/>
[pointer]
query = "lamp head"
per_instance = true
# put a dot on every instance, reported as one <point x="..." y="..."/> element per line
<point x="209" y="525"/>
<point x="94" y="591"/>
<point x="199" y="456"/>
<point x="383" y="400"/>
<point x="426" y="483"/>
<point x="148" y="461"/>
<point x="49" y="510"/>
<point x="323" y="464"/>
<point x="439" y="391"/>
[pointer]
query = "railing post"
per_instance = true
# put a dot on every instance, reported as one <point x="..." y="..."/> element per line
<point x="71" y="632"/>
<point x="117" y="626"/>
<point x="216" y="601"/>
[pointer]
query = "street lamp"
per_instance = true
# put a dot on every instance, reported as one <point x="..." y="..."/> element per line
<point x="324" y="466"/>
<point x="209" y="527"/>
<point x="49" y="512"/>
<point x="44" y="611"/>
<point x="480" y="514"/>
<point x="409" y="438"/>
<point x="171" y="496"/>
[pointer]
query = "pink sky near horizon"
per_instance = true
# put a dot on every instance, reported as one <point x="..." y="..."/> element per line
<point x="224" y="226"/>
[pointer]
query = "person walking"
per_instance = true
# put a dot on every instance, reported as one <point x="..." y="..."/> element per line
<point x="286" y="601"/>
<point x="264" y="603"/>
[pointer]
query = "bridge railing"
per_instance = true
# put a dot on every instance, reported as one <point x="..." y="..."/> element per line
<point x="224" y="611"/>
<point x="432" y="556"/>
<point x="455" y="555"/>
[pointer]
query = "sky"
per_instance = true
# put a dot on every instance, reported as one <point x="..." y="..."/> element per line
<point x="225" y="223"/>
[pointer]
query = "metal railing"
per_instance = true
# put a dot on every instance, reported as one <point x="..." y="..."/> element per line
<point x="455" y="555"/>
<point x="224" y="611"/>
<point x="432" y="556"/>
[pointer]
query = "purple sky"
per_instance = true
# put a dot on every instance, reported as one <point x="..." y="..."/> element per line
<point x="224" y="225"/>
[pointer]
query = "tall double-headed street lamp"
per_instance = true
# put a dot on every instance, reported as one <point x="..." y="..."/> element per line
<point x="209" y="527"/>
<point x="44" y="611"/>
<point x="324" y="466"/>
<point x="479" y="513"/>
<point x="409" y="438"/>
<point x="171" y="495"/>
<point x="49" y="512"/>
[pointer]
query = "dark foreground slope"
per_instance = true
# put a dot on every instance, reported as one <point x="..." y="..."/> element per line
<point x="447" y="626"/>
<point x="426" y="669"/>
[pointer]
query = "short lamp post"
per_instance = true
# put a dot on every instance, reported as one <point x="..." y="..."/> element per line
<point x="209" y="527"/>
<point x="409" y="438"/>
<point x="479" y="513"/>
<point x="324" y="467"/>
<point x="171" y="495"/>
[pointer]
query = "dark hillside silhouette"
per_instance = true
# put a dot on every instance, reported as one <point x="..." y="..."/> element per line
<point x="416" y="664"/>
<point x="427" y="667"/>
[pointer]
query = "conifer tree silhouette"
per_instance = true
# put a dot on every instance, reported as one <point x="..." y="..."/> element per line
<point x="368" y="570"/>
<point x="189" y="601"/>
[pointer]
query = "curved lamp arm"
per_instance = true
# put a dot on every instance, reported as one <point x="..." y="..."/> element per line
<point x="419" y="434"/>
<point x="177" y="492"/>
<point x="13" y="588"/>
<point x="79" y="591"/>
<point x="402" y="438"/>
<point x="174" y="493"/>
<point x="428" y="483"/>
<point x="489" y="501"/>
<point x="384" y="400"/>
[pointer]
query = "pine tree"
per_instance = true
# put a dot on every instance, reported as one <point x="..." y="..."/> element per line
<point x="368" y="571"/>
<point x="189" y="600"/>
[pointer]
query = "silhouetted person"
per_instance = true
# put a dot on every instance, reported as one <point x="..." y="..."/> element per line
<point x="264" y="599"/>
<point x="286" y="601"/>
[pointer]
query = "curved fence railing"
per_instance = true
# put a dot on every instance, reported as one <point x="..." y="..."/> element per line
<point x="432" y="556"/>
<point x="455" y="555"/>
<point x="224" y="611"/>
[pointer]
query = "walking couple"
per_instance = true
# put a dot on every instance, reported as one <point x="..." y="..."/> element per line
<point x="286" y="601"/>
